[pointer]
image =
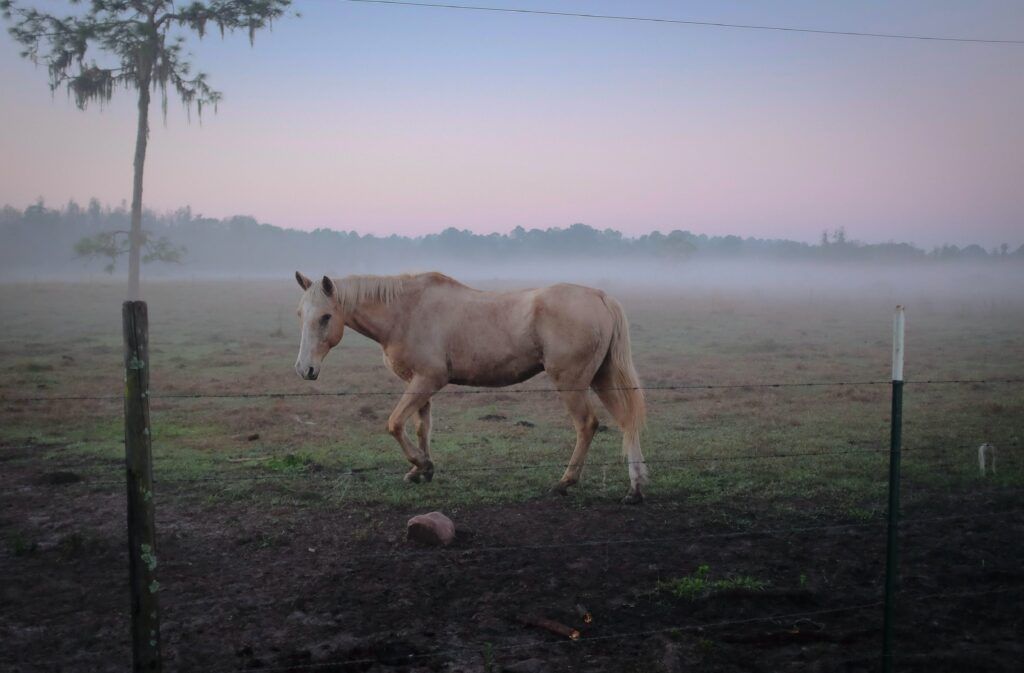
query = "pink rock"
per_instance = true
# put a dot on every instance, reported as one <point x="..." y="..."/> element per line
<point x="433" y="529"/>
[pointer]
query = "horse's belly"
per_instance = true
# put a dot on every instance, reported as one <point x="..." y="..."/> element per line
<point x="494" y="374"/>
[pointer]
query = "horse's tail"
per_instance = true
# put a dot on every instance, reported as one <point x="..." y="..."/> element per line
<point x="619" y="386"/>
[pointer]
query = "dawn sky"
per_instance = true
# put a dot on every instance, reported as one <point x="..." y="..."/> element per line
<point x="407" y="120"/>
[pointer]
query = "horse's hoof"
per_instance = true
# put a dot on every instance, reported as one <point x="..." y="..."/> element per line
<point x="420" y="473"/>
<point x="633" y="498"/>
<point x="560" y="488"/>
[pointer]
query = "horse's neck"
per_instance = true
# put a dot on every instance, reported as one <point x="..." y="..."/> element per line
<point x="372" y="319"/>
<point x="383" y="305"/>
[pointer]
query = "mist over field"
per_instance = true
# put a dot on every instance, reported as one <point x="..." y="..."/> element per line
<point x="45" y="244"/>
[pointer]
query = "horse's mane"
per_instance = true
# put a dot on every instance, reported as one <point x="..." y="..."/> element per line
<point x="351" y="291"/>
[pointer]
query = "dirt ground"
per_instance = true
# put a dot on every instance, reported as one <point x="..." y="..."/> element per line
<point x="339" y="589"/>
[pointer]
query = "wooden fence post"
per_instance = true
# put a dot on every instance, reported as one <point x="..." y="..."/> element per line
<point x="892" y="535"/>
<point x="139" y="471"/>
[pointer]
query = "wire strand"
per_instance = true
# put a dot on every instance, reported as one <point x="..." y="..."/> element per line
<point x="505" y="391"/>
<point x="761" y="532"/>
<point x="633" y="634"/>
<point x="689" y="22"/>
<point x="362" y="472"/>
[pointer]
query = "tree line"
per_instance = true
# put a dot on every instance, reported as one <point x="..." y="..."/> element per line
<point x="68" y="241"/>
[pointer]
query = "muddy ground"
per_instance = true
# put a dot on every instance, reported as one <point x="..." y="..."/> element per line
<point x="319" y="589"/>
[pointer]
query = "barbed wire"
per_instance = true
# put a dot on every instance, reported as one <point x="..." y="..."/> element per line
<point x="536" y="642"/>
<point x="174" y="605"/>
<point x="503" y="391"/>
<point x="662" y="463"/>
<point x="646" y="541"/>
<point x="944" y="596"/>
<point x="674" y="539"/>
<point x="363" y="472"/>
<point x="320" y="473"/>
<point x="631" y="634"/>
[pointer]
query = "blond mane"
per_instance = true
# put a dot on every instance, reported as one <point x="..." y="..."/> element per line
<point x="351" y="291"/>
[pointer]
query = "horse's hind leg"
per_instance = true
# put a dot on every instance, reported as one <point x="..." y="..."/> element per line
<point x="585" y="422"/>
<point x="630" y="441"/>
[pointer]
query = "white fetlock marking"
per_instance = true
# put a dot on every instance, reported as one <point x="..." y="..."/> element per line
<point x="637" y="474"/>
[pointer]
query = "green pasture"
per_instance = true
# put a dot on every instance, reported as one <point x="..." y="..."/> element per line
<point x="789" y="447"/>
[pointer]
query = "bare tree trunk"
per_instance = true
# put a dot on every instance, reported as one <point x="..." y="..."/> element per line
<point x="135" y="238"/>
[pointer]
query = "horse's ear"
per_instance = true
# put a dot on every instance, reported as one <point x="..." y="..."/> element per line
<point x="328" y="286"/>
<point x="304" y="282"/>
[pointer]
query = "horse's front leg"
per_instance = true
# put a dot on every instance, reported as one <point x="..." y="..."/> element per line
<point x="417" y="395"/>
<point x="422" y="424"/>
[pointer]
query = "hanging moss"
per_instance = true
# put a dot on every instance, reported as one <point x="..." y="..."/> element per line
<point x="135" y="36"/>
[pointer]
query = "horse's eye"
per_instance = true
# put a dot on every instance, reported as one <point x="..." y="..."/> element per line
<point x="325" y="319"/>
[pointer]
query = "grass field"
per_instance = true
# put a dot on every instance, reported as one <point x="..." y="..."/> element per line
<point x="269" y="466"/>
<point x="223" y="338"/>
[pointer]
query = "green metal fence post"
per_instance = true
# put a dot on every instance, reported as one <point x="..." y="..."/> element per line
<point x="892" y="537"/>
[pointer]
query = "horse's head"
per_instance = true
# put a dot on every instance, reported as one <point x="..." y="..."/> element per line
<point x="322" y="324"/>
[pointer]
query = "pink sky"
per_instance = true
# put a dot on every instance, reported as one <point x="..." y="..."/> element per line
<point x="384" y="121"/>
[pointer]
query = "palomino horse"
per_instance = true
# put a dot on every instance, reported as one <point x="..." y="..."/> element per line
<point x="435" y="331"/>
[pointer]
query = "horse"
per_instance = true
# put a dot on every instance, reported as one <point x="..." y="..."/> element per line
<point x="435" y="331"/>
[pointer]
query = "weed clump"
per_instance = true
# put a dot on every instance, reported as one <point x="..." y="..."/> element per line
<point x="699" y="585"/>
<point x="292" y="462"/>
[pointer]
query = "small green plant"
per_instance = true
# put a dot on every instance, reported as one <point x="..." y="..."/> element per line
<point x="291" y="462"/>
<point x="861" y="514"/>
<point x="697" y="585"/>
<point x="268" y="541"/>
<point x="741" y="582"/>
<point x="803" y="580"/>
<point x="688" y="587"/>
<point x="71" y="546"/>
<point x="488" y="656"/>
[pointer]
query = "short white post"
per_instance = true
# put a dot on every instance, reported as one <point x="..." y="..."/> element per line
<point x="897" y="345"/>
<point x="986" y="454"/>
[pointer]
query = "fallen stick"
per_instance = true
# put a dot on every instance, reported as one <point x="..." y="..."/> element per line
<point x="550" y="625"/>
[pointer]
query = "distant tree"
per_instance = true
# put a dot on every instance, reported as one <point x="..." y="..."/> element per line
<point x="973" y="251"/>
<point x="114" y="244"/>
<point x="133" y="37"/>
<point x="677" y="246"/>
